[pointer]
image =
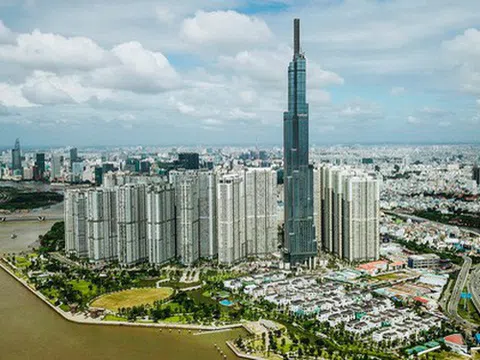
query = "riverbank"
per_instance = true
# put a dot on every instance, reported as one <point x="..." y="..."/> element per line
<point x="82" y="319"/>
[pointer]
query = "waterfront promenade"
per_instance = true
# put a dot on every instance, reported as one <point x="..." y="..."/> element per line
<point x="82" y="319"/>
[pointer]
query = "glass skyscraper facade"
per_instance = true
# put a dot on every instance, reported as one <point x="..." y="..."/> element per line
<point x="299" y="232"/>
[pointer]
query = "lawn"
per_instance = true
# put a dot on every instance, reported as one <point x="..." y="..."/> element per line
<point x="443" y="355"/>
<point x="132" y="297"/>
<point x="470" y="312"/>
<point x="390" y="277"/>
<point x="110" y="317"/>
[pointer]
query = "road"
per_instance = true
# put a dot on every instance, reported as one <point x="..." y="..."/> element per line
<point x="452" y="306"/>
<point x="474" y="287"/>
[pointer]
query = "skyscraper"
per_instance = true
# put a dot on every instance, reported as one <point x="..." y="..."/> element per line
<point x="189" y="161"/>
<point x="187" y="215"/>
<point x="361" y="238"/>
<point x="161" y="223"/>
<point x="207" y="181"/>
<point x="260" y="211"/>
<point x="300" y="244"/>
<point x="102" y="225"/>
<point x="56" y="166"/>
<point x="76" y="223"/>
<point x="131" y="224"/>
<point x="17" y="158"/>
<point x="73" y="156"/>
<point x="349" y="213"/>
<point x="231" y="219"/>
<point x="40" y="166"/>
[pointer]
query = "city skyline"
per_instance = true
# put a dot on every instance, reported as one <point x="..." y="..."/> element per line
<point x="199" y="72"/>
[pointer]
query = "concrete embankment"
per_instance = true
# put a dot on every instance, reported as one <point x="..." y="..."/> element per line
<point x="82" y="319"/>
<point x="239" y="354"/>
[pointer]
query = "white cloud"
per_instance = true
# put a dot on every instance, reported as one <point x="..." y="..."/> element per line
<point x="139" y="70"/>
<point x="397" y="90"/>
<point x="45" y="93"/>
<point x="11" y="95"/>
<point x="51" y="51"/>
<point x="466" y="46"/>
<point x="412" y="120"/>
<point x="224" y="28"/>
<point x="271" y="66"/>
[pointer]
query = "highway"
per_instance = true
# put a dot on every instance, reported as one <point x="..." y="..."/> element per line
<point x="452" y="305"/>
<point x="474" y="287"/>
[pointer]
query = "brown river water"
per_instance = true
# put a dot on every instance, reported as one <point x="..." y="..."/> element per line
<point x="31" y="330"/>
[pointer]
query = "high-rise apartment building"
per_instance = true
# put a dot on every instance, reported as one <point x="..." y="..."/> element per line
<point x="75" y="209"/>
<point x="208" y="214"/>
<point x="349" y="211"/>
<point x="260" y="211"/>
<point x="102" y="225"/>
<point x="231" y="219"/>
<point x="131" y="224"/>
<point x="361" y="208"/>
<point x="161" y="223"/>
<point x="187" y="215"/>
<point x="299" y="233"/>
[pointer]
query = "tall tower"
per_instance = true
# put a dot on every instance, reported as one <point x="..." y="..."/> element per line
<point x="17" y="157"/>
<point x="300" y="244"/>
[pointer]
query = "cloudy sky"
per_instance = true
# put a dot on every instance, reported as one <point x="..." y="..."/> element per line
<point x="124" y="72"/>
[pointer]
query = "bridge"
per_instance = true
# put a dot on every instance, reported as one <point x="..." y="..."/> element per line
<point x="30" y="217"/>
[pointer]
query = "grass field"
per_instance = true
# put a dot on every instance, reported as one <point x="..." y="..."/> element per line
<point x="132" y="297"/>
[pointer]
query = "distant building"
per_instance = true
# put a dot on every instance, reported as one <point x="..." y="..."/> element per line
<point x="98" y="176"/>
<point x="39" y="166"/>
<point x="76" y="223"/>
<point x="145" y="167"/>
<point x="161" y="233"/>
<point x="189" y="161"/>
<point x="73" y="157"/>
<point x="231" y="219"/>
<point x="476" y="174"/>
<point x="56" y="166"/>
<point x="77" y="172"/>
<point x="17" y="159"/>
<point x="425" y="261"/>
<point x="131" y="224"/>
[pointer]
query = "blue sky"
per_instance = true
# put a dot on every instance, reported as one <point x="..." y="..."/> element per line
<point x="98" y="72"/>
